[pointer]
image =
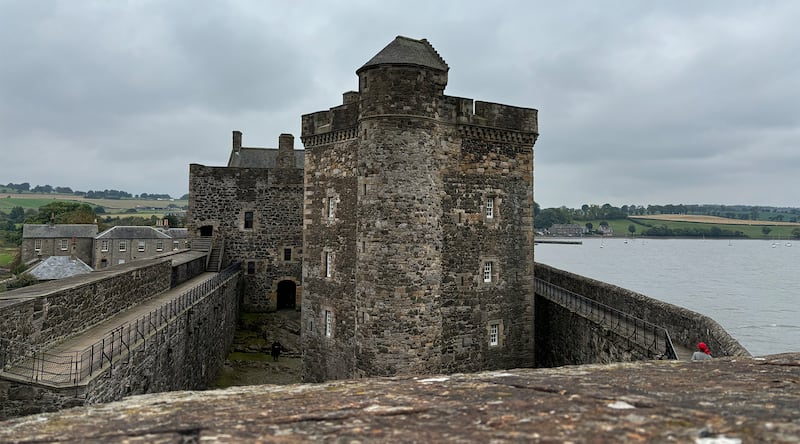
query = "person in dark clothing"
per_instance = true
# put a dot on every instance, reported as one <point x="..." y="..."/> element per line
<point x="276" y="350"/>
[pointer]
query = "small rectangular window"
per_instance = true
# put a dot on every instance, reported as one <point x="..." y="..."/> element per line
<point x="176" y="245"/>
<point x="494" y="334"/>
<point x="331" y="208"/>
<point x="64" y="244"/>
<point x="248" y="220"/>
<point x="328" y="264"/>
<point x="104" y="246"/>
<point x="141" y="246"/>
<point x="123" y="245"/>
<point x="327" y="323"/>
<point x="251" y="267"/>
<point x="489" y="207"/>
<point x="287" y="254"/>
<point x="487" y="272"/>
<point x="37" y="244"/>
<point x="160" y="245"/>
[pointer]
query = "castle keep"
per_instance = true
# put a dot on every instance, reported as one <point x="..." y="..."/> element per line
<point x="413" y="213"/>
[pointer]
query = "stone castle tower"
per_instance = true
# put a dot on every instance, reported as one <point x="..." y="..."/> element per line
<point x="417" y="226"/>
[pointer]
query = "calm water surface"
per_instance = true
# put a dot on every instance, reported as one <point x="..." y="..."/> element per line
<point x="751" y="287"/>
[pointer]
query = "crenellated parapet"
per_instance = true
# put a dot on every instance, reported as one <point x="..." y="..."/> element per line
<point x="339" y="118"/>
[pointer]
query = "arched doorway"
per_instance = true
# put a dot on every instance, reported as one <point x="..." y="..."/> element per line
<point x="287" y="293"/>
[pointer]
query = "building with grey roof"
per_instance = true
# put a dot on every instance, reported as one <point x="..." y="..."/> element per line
<point x="122" y="244"/>
<point x="59" y="267"/>
<point x="40" y="241"/>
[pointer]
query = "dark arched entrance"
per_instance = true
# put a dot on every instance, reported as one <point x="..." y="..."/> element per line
<point x="287" y="293"/>
<point x="206" y="231"/>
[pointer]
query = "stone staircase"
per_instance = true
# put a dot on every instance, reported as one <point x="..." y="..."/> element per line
<point x="214" y="260"/>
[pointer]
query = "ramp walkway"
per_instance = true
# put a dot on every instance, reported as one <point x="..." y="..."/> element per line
<point x="75" y="360"/>
<point x="650" y="337"/>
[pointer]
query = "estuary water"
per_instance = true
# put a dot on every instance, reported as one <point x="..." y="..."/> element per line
<point x="750" y="287"/>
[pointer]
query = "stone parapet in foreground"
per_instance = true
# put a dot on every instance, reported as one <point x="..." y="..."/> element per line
<point x="752" y="400"/>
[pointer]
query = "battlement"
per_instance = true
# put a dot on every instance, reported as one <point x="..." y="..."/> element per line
<point x="342" y="117"/>
<point x="464" y="111"/>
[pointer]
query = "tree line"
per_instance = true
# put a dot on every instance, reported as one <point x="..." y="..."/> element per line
<point x="25" y="187"/>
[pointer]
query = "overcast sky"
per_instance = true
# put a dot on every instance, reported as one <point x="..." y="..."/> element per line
<point x="639" y="102"/>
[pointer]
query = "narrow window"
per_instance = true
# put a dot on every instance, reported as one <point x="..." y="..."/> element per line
<point x="331" y="207"/>
<point x="489" y="207"/>
<point x="487" y="272"/>
<point x="64" y="244"/>
<point x="328" y="264"/>
<point x="37" y="244"/>
<point x="494" y="334"/>
<point x="287" y="254"/>
<point x="175" y="245"/>
<point x="123" y="245"/>
<point x="160" y="245"/>
<point x="248" y="220"/>
<point x="251" y="267"/>
<point x="104" y="246"/>
<point x="141" y="246"/>
<point x="327" y="323"/>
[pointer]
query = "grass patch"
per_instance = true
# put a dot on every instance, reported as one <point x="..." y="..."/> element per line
<point x="754" y="231"/>
<point x="6" y="256"/>
<point x="240" y="356"/>
<point x="34" y="201"/>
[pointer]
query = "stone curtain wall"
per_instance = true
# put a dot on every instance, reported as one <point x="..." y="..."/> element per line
<point x="220" y="196"/>
<point x="45" y="313"/>
<point x="566" y="338"/>
<point x="686" y="328"/>
<point x="190" y="265"/>
<point x="187" y="353"/>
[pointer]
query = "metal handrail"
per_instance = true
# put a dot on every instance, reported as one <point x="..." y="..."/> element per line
<point x="653" y="338"/>
<point x="34" y="364"/>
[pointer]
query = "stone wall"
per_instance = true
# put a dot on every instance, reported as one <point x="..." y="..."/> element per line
<point x="221" y="197"/>
<point x="566" y="338"/>
<point x="189" y="265"/>
<point x="42" y="314"/>
<point x="186" y="353"/>
<point x="686" y="328"/>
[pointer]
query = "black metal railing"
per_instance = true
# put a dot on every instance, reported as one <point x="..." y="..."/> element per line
<point x="35" y="364"/>
<point x="648" y="336"/>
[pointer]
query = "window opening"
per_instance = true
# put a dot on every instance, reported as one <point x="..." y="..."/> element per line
<point x="487" y="272"/>
<point x="64" y="244"/>
<point x="489" y="208"/>
<point x="494" y="334"/>
<point x="251" y="267"/>
<point x="328" y="264"/>
<point x="248" y="219"/>
<point x="123" y="245"/>
<point x="287" y="254"/>
<point x="37" y="245"/>
<point x="141" y="246"/>
<point x="327" y="323"/>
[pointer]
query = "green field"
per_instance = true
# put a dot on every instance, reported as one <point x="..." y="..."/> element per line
<point x="620" y="227"/>
<point x="34" y="201"/>
<point x="7" y="255"/>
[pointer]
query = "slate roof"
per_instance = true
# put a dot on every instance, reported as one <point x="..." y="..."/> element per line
<point x="59" y="267"/>
<point x="262" y="158"/>
<point x="175" y="233"/>
<point x="406" y="51"/>
<point x="31" y="231"/>
<point x="134" y="232"/>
